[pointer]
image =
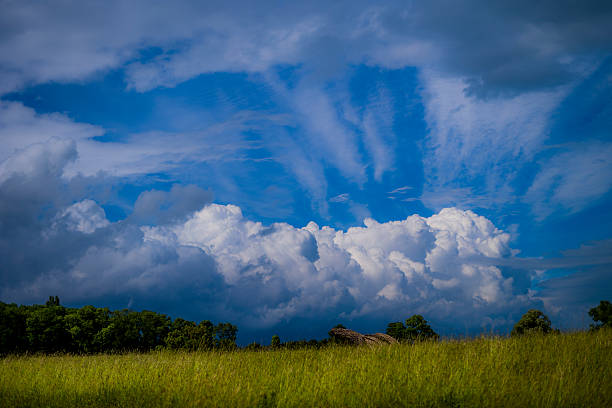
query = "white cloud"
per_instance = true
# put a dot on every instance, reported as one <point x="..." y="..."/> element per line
<point x="411" y="264"/>
<point x="378" y="134"/>
<point x="262" y="275"/>
<point x="400" y="190"/>
<point x="85" y="216"/>
<point x="136" y="154"/>
<point x="572" y="180"/>
<point x="470" y="139"/>
<point x="325" y="135"/>
<point x="340" y="198"/>
<point x="21" y="127"/>
<point x="482" y="143"/>
<point x="73" y="41"/>
<point x="218" y="264"/>
<point x="39" y="160"/>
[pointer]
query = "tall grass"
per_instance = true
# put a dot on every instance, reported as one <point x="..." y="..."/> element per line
<point x="549" y="371"/>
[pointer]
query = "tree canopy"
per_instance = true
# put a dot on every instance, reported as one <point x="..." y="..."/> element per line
<point x="416" y="329"/>
<point x="532" y="322"/>
<point x="52" y="328"/>
<point x="602" y="315"/>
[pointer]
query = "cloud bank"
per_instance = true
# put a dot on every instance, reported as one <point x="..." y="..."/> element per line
<point x="228" y="267"/>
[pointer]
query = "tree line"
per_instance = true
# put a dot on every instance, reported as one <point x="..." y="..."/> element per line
<point x="53" y="328"/>
<point x="532" y="322"/>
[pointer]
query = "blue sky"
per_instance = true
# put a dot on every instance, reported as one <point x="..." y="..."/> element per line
<point x="290" y="167"/>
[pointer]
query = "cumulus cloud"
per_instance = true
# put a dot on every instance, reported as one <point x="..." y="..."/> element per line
<point x="454" y="266"/>
<point x="232" y="268"/>
<point x="418" y="264"/>
<point x="85" y="216"/>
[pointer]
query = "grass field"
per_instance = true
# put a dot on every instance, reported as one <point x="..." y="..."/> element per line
<point x="569" y="370"/>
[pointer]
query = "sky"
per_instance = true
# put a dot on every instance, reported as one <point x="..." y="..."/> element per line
<point x="288" y="166"/>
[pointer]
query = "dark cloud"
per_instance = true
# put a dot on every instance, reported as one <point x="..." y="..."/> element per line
<point x="510" y="47"/>
<point x="51" y="240"/>
<point x="499" y="47"/>
<point x="156" y="207"/>
<point x="572" y="296"/>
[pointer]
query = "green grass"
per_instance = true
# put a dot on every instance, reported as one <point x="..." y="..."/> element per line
<point x="568" y="370"/>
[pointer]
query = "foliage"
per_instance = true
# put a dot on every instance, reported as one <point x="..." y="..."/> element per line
<point x="602" y="314"/>
<point x="53" y="328"/>
<point x="416" y="329"/>
<point x="396" y="330"/>
<point x="568" y="370"/>
<point x="13" y="337"/>
<point x="84" y="324"/>
<point x="53" y="301"/>
<point x="226" y="336"/>
<point x="275" y="342"/>
<point x="532" y="322"/>
<point x="46" y="329"/>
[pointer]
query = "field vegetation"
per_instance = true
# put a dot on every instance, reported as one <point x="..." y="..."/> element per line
<point x="537" y="370"/>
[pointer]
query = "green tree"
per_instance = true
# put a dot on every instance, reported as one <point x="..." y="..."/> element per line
<point x="154" y="328"/>
<point x="122" y="332"/>
<point x="602" y="314"/>
<point x="226" y="336"/>
<point x="181" y="335"/>
<point x="46" y="329"/>
<point x="84" y="324"/>
<point x="53" y="301"/>
<point x="275" y="342"/>
<point x="13" y="337"/>
<point x="416" y="329"/>
<point x="532" y="322"/>
<point x="204" y="336"/>
<point x="397" y="330"/>
<point x="186" y="335"/>
<point x="53" y="328"/>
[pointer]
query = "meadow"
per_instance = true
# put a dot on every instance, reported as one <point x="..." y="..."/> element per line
<point x="559" y="370"/>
